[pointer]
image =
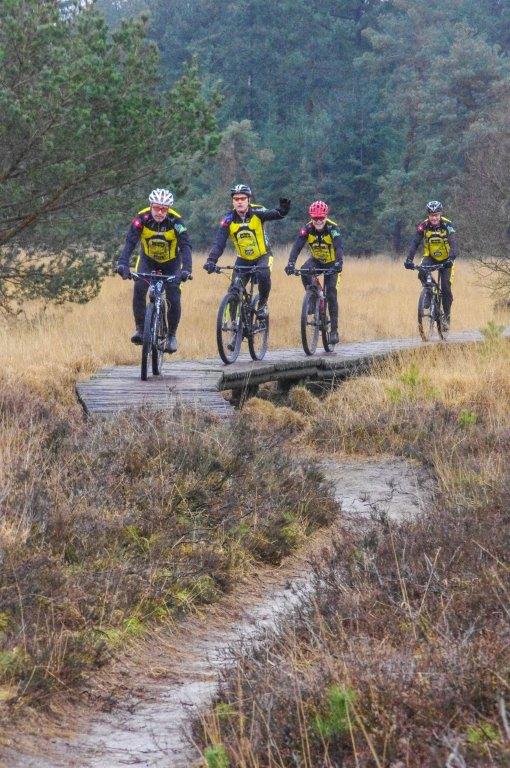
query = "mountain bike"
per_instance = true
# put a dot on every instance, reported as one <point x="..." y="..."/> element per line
<point x="430" y="304"/>
<point x="155" y="327"/>
<point x="315" y="317"/>
<point x="237" y="317"/>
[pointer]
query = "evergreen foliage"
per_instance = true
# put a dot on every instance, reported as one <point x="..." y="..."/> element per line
<point x="374" y="105"/>
<point x="84" y="113"/>
<point x="371" y="105"/>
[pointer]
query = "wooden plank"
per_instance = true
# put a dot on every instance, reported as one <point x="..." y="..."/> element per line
<point x="200" y="381"/>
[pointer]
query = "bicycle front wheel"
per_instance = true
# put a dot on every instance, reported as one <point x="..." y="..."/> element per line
<point x="310" y="323"/>
<point x="442" y="325"/>
<point x="147" y="339"/>
<point x="258" y="333"/>
<point x="158" y="340"/>
<point x="426" y="313"/>
<point x="229" y="328"/>
<point x="326" y="328"/>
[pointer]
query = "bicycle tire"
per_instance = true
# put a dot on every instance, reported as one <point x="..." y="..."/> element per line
<point x="147" y="340"/>
<point x="310" y="324"/>
<point x="426" y="318"/>
<point x="442" y="328"/>
<point x="229" y="331"/>
<point x="326" y="328"/>
<point x="158" y="341"/>
<point x="258" y="332"/>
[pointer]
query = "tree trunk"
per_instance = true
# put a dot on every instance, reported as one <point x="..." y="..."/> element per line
<point x="398" y="245"/>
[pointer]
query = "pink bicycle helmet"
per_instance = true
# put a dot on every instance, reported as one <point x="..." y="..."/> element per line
<point x="318" y="210"/>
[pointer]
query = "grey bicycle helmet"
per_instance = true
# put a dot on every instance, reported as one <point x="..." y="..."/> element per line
<point x="240" y="189"/>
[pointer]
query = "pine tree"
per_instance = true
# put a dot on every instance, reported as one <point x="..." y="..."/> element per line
<point x="83" y="117"/>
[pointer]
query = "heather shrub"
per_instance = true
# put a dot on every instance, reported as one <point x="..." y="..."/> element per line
<point x="401" y="656"/>
<point x="109" y="525"/>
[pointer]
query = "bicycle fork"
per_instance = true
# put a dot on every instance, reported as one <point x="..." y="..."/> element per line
<point x="156" y="300"/>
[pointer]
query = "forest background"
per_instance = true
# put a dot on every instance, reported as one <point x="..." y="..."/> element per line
<point x="375" y="106"/>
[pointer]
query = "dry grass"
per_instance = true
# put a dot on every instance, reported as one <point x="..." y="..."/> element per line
<point x="110" y="525"/>
<point x="402" y="656"/>
<point x="105" y="528"/>
<point x="377" y="298"/>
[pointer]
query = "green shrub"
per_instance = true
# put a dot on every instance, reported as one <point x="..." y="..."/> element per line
<point x="335" y="721"/>
<point x="216" y="757"/>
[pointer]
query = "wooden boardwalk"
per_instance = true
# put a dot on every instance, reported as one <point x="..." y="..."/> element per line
<point x="201" y="382"/>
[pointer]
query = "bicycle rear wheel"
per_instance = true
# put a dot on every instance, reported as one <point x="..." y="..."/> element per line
<point x="310" y="324"/>
<point x="229" y="328"/>
<point x="158" y="340"/>
<point x="258" y="334"/>
<point x="426" y="314"/>
<point x="147" y="339"/>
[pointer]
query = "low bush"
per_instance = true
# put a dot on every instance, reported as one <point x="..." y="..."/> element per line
<point x="109" y="525"/>
<point x="401" y="657"/>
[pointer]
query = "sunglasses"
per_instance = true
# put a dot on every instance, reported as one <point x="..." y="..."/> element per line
<point x="160" y="208"/>
<point x="317" y="218"/>
<point x="240" y="199"/>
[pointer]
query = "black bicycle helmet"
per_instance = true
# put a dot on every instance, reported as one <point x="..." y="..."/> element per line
<point x="434" y="206"/>
<point x="240" y="189"/>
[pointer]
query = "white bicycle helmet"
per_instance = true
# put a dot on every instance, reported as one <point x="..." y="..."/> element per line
<point x="161" y="197"/>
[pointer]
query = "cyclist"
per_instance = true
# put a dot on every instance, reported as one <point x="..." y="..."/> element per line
<point x="244" y="224"/>
<point x="323" y="238"/>
<point x="439" y="244"/>
<point x="164" y="246"/>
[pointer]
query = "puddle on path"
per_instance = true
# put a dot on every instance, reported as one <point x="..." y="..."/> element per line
<point x="149" y="729"/>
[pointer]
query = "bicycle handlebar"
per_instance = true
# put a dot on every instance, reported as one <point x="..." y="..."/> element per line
<point x="155" y="276"/>
<point x="315" y="271"/>
<point x="432" y="267"/>
<point x="240" y="268"/>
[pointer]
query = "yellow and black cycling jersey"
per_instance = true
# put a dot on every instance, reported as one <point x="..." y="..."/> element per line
<point x="161" y="242"/>
<point x="439" y="243"/>
<point x="245" y="232"/>
<point x="325" y="245"/>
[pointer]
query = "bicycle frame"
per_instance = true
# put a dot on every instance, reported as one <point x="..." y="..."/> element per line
<point x="245" y="324"/>
<point x="316" y="283"/>
<point x="239" y="288"/>
<point x="315" y="322"/>
<point x="156" y="281"/>
<point x="238" y="284"/>
<point x="435" y="296"/>
<point x="155" y="328"/>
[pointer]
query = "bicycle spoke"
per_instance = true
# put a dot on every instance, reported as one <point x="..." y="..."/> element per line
<point x="229" y="328"/>
<point x="426" y="315"/>
<point x="158" y="341"/>
<point x="326" y="329"/>
<point x="258" y="332"/>
<point x="310" y="323"/>
<point x="147" y="340"/>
